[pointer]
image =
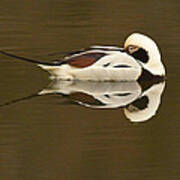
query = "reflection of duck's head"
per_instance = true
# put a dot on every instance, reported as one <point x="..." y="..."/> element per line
<point x="146" y="105"/>
<point x="145" y="50"/>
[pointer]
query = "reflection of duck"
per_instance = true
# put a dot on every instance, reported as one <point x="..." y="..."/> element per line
<point x="140" y="102"/>
<point x="139" y="57"/>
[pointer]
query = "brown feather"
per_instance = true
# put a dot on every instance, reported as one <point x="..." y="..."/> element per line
<point x="85" y="60"/>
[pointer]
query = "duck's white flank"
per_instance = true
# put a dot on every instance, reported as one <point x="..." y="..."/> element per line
<point x="116" y="66"/>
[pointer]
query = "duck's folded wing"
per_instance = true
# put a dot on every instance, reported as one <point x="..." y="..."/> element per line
<point x="89" y="56"/>
<point x="85" y="59"/>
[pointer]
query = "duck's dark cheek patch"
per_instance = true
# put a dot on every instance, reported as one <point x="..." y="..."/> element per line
<point x="141" y="55"/>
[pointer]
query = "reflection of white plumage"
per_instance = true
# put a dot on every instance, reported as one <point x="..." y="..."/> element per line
<point x="110" y="95"/>
<point x="138" y="105"/>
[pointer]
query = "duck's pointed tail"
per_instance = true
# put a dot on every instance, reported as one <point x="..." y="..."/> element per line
<point x="32" y="60"/>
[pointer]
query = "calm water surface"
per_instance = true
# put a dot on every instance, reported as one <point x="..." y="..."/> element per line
<point x="57" y="137"/>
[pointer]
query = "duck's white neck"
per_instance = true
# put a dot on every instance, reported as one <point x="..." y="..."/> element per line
<point x="154" y="65"/>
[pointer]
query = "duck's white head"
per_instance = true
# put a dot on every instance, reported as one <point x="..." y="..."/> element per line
<point x="146" y="52"/>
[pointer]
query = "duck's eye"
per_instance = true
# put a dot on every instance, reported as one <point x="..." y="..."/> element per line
<point x="131" y="49"/>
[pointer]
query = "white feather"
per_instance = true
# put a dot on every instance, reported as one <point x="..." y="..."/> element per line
<point x="97" y="71"/>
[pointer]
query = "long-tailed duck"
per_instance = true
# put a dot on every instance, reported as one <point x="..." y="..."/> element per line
<point x="139" y="58"/>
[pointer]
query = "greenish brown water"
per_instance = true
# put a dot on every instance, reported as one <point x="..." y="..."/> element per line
<point x="52" y="137"/>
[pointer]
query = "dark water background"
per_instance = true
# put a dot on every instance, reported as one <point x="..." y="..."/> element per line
<point x="42" y="138"/>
